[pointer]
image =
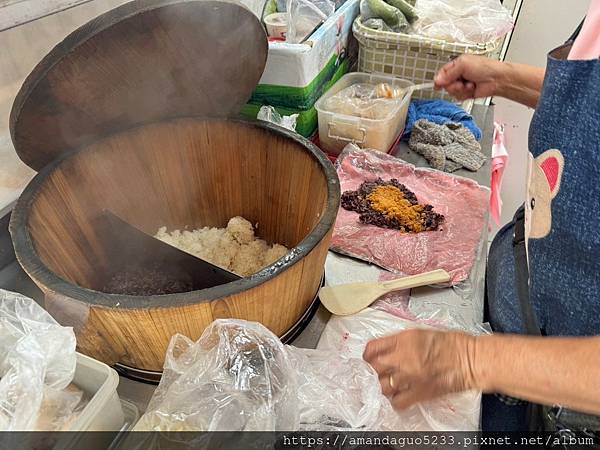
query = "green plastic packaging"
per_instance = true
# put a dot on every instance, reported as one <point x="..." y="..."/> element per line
<point x="405" y="8"/>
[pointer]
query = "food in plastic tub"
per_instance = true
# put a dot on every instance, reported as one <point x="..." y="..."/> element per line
<point x="277" y="25"/>
<point x="98" y="381"/>
<point x="44" y="384"/>
<point x="351" y="111"/>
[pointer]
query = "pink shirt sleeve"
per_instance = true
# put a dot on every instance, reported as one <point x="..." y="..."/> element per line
<point x="587" y="44"/>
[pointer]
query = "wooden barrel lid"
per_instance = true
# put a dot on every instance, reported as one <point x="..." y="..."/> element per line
<point x="146" y="61"/>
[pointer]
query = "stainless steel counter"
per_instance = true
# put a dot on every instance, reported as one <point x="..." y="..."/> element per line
<point x="464" y="303"/>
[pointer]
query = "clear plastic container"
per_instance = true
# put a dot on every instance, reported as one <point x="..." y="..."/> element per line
<point x="103" y="412"/>
<point x="336" y="129"/>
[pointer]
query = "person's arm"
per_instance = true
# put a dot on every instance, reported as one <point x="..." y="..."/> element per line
<point x="418" y="365"/>
<point x="547" y="370"/>
<point x="471" y="76"/>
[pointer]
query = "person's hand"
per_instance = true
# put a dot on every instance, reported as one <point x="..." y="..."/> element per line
<point x="471" y="76"/>
<point x="418" y="365"/>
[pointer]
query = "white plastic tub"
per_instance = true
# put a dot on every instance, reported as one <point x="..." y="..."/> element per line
<point x="336" y="130"/>
<point x="103" y="412"/>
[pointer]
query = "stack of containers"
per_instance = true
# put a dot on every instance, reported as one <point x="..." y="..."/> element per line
<point x="296" y="75"/>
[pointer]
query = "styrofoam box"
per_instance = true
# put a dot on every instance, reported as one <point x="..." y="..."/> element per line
<point x="103" y="412"/>
<point x="295" y="74"/>
<point x="336" y="130"/>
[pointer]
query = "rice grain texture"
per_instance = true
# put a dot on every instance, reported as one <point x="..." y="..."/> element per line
<point x="235" y="248"/>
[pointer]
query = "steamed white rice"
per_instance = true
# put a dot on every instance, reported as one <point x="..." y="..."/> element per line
<point x="235" y="248"/>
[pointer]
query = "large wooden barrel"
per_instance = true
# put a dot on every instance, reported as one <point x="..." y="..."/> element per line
<point x="115" y="118"/>
<point x="179" y="173"/>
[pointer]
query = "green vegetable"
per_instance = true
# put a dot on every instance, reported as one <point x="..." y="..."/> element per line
<point x="411" y="2"/>
<point x="405" y="8"/>
<point x="270" y="8"/>
<point x="390" y="14"/>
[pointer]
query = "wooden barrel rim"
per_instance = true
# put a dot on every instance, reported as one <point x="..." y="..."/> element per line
<point x="33" y="265"/>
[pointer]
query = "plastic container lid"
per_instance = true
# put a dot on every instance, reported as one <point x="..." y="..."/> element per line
<point x="145" y="61"/>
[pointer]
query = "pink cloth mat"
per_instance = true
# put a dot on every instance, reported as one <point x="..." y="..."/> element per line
<point x="453" y="248"/>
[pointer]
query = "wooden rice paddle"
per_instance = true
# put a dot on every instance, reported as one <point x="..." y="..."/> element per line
<point x="349" y="299"/>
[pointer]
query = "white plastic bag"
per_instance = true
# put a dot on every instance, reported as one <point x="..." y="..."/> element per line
<point x="304" y="16"/>
<point x="37" y="364"/>
<point x="270" y="114"/>
<point x="236" y="377"/>
<point x="467" y="21"/>
<point x="239" y="376"/>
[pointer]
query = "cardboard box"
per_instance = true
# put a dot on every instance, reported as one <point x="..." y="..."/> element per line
<point x="296" y="75"/>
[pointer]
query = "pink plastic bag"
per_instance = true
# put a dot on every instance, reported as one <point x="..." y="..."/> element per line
<point x="463" y="202"/>
<point x="499" y="162"/>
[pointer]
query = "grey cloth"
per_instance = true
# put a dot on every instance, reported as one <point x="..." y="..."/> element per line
<point x="447" y="147"/>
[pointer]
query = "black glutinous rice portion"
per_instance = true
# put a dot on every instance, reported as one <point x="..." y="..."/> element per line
<point x="357" y="201"/>
<point x="148" y="280"/>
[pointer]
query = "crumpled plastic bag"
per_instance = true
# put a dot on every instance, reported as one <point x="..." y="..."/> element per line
<point x="270" y="114"/>
<point x="377" y="24"/>
<point x="304" y="16"/>
<point x="37" y="366"/>
<point x="239" y="376"/>
<point x="453" y="247"/>
<point x="347" y="336"/>
<point x="466" y="21"/>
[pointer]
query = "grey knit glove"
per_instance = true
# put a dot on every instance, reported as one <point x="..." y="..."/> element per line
<point x="463" y="157"/>
<point x="446" y="147"/>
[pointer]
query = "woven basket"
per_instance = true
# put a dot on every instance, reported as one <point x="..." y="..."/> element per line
<point x="408" y="56"/>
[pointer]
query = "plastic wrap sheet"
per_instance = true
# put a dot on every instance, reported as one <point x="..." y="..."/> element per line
<point x="454" y="247"/>
<point x="236" y="377"/>
<point x="348" y="337"/>
<point x="37" y="365"/>
<point x="270" y="114"/>
<point x="304" y="16"/>
<point x="460" y="308"/>
<point x="467" y="21"/>
<point x="239" y="376"/>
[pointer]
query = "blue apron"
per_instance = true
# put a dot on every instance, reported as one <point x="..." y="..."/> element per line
<point x="565" y="265"/>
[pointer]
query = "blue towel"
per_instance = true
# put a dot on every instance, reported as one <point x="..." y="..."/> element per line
<point x="440" y="112"/>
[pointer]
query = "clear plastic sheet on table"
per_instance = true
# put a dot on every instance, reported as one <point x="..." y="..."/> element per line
<point x="239" y="376"/>
<point x="348" y="335"/>
<point x="305" y="16"/>
<point x="37" y="368"/>
<point x="270" y="114"/>
<point x="466" y="21"/>
<point x="460" y="308"/>
<point x="454" y="247"/>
